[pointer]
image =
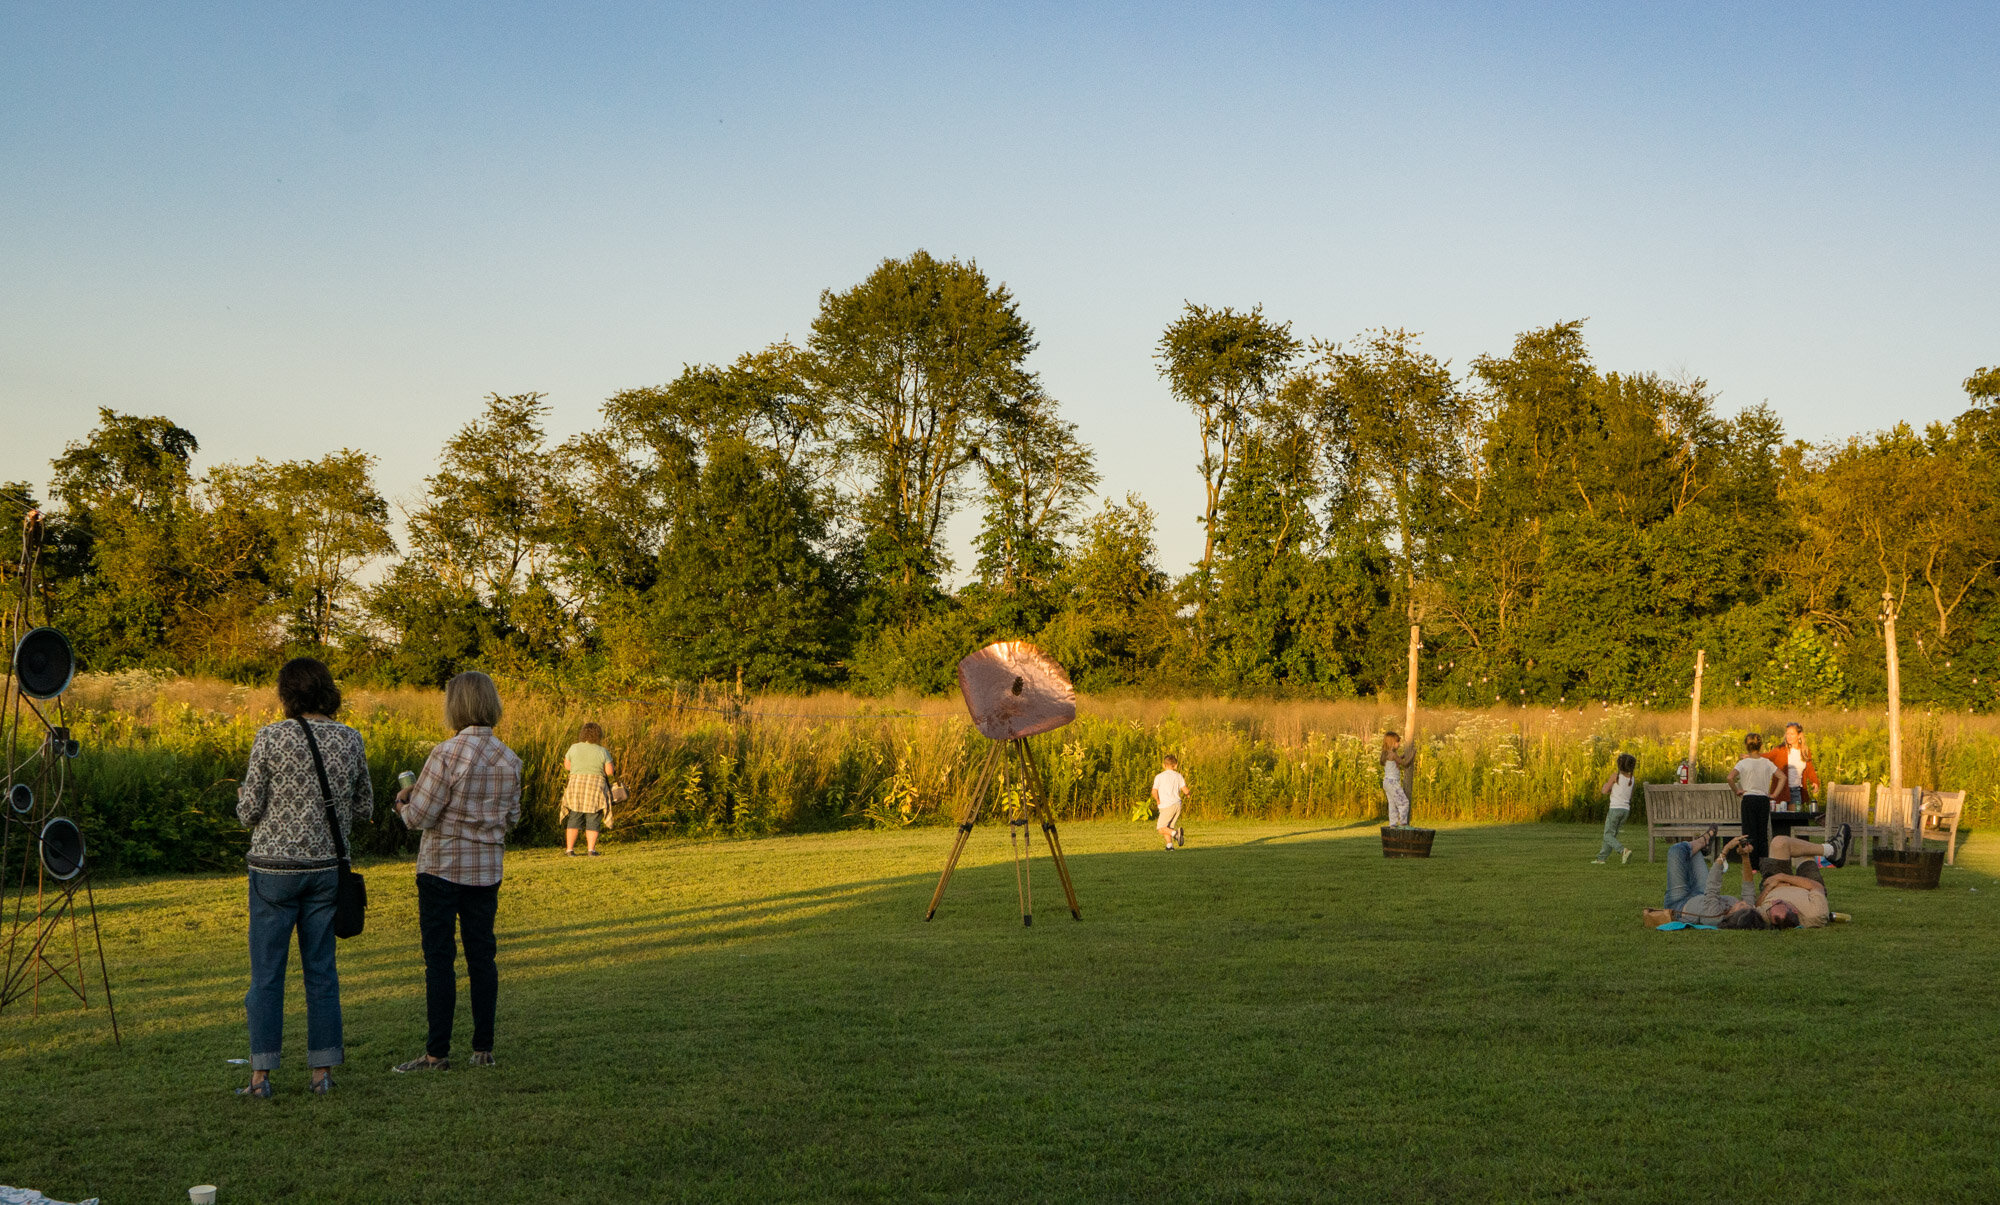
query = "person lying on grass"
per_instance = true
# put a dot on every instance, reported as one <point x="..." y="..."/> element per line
<point x="1796" y="897"/>
<point x="1694" y="888"/>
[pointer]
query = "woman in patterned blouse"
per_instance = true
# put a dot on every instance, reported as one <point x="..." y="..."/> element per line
<point x="466" y="799"/>
<point x="293" y="875"/>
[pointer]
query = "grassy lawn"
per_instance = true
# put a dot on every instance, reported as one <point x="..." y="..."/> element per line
<point x="1274" y="1013"/>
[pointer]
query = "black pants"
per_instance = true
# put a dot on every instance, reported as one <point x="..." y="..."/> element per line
<point x="445" y="912"/>
<point x="1757" y="827"/>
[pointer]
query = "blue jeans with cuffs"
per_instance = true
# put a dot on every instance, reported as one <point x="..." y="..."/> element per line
<point x="281" y="904"/>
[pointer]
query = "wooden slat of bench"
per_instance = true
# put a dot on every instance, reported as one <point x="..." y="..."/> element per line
<point x="1673" y="808"/>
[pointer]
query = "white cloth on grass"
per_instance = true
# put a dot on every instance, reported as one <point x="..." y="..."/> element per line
<point x="28" y="1196"/>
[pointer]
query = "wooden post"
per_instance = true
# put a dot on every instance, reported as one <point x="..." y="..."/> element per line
<point x="1694" y="718"/>
<point x="1410" y="691"/>
<point x="1896" y="724"/>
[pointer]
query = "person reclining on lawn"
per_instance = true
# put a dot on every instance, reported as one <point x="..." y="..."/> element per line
<point x="1694" y="888"/>
<point x="1797" y="898"/>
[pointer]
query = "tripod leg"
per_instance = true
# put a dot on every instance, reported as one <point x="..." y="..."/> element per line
<point x="1041" y="789"/>
<point x="1016" y="835"/>
<point x="1062" y="867"/>
<point x="104" y="975"/>
<point x="965" y="822"/>
<point x="957" y="848"/>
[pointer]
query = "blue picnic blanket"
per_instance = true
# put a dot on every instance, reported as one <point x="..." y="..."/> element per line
<point x="1681" y="924"/>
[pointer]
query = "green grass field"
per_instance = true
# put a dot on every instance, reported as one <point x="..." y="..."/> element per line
<point x="1274" y="1013"/>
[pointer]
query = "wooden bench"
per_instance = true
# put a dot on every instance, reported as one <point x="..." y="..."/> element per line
<point x="1942" y="810"/>
<point x="1678" y="811"/>
<point x="1847" y="803"/>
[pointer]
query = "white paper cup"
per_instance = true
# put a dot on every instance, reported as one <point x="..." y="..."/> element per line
<point x="202" y="1194"/>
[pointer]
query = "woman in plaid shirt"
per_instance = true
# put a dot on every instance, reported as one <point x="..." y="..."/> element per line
<point x="466" y="799"/>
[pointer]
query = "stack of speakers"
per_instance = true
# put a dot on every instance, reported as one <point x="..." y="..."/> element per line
<point x="52" y="880"/>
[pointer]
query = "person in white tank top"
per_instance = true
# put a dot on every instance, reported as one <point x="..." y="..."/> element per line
<point x="1619" y="788"/>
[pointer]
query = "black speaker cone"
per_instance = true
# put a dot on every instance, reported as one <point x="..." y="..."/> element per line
<point x="44" y="663"/>
<point x="22" y="798"/>
<point x="62" y="848"/>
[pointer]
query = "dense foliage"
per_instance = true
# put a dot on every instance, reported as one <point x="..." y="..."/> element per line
<point x="1558" y="531"/>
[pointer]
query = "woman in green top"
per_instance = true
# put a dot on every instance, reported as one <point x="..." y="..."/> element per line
<point x="588" y="792"/>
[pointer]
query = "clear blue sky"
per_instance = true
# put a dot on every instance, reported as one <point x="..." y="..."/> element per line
<point x="294" y="228"/>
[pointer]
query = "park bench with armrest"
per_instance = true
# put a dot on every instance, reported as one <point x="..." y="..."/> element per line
<point x="1846" y="803"/>
<point x="1678" y="811"/>
<point x="1941" y="812"/>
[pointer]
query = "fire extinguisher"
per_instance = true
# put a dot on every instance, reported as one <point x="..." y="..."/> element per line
<point x="1685" y="774"/>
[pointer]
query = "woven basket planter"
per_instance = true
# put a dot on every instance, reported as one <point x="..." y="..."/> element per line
<point x="1910" y="869"/>
<point x="1406" y="842"/>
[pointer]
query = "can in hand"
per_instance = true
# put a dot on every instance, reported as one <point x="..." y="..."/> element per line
<point x="407" y="778"/>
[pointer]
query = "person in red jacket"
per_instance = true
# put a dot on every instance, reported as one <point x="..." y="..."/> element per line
<point x="1795" y="762"/>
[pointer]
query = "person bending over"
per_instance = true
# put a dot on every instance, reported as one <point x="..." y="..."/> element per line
<point x="1694" y="888"/>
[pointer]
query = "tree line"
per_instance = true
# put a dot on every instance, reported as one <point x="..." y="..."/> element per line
<point x="1559" y="533"/>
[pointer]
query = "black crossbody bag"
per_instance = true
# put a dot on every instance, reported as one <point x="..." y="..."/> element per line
<point x="350" y="908"/>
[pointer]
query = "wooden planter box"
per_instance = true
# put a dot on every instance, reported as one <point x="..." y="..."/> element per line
<point x="1910" y="869"/>
<point x="1406" y="842"/>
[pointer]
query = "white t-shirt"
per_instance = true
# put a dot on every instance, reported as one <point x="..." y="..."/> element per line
<point x="1170" y="786"/>
<point x="1754" y="774"/>
<point x="1795" y="767"/>
<point x="1621" y="791"/>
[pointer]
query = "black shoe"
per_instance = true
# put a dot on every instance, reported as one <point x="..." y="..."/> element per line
<point x="1841" y="840"/>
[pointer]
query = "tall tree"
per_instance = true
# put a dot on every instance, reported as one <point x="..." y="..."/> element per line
<point x="1402" y="416"/>
<point x="332" y="524"/>
<point x="746" y="589"/>
<point x="125" y="492"/>
<point x="1117" y="617"/>
<point x="1223" y="364"/>
<point x="913" y="364"/>
<point x="482" y="563"/>
<point x="1037" y="474"/>
<point x="1983" y="386"/>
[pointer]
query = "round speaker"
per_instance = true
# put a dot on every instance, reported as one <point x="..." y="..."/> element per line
<point x="44" y="663"/>
<point x="62" y="848"/>
<point x="1014" y="689"/>
<point x="21" y="798"/>
<point x="72" y="749"/>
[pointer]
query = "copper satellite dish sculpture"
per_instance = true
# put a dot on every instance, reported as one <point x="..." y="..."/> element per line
<point x="35" y="753"/>
<point x="1014" y="691"/>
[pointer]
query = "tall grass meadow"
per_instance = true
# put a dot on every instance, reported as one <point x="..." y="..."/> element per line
<point x="161" y="756"/>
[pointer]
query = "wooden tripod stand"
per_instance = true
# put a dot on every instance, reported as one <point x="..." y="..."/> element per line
<point x="1033" y="805"/>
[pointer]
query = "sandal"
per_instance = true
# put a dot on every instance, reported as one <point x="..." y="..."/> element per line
<point x="260" y="1091"/>
<point x="323" y="1085"/>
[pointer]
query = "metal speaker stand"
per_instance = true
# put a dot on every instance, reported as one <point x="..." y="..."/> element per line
<point x="41" y="927"/>
<point x="1013" y="690"/>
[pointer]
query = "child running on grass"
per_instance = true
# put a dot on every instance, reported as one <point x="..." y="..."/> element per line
<point x="1168" y="790"/>
<point x="1619" y="787"/>
<point x="1396" y="763"/>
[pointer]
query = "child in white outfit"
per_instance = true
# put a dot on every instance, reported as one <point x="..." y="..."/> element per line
<point x="1168" y="790"/>
<point x="1619" y="788"/>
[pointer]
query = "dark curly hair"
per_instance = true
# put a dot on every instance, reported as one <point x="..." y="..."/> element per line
<point x="1748" y="918"/>
<point x="306" y="687"/>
